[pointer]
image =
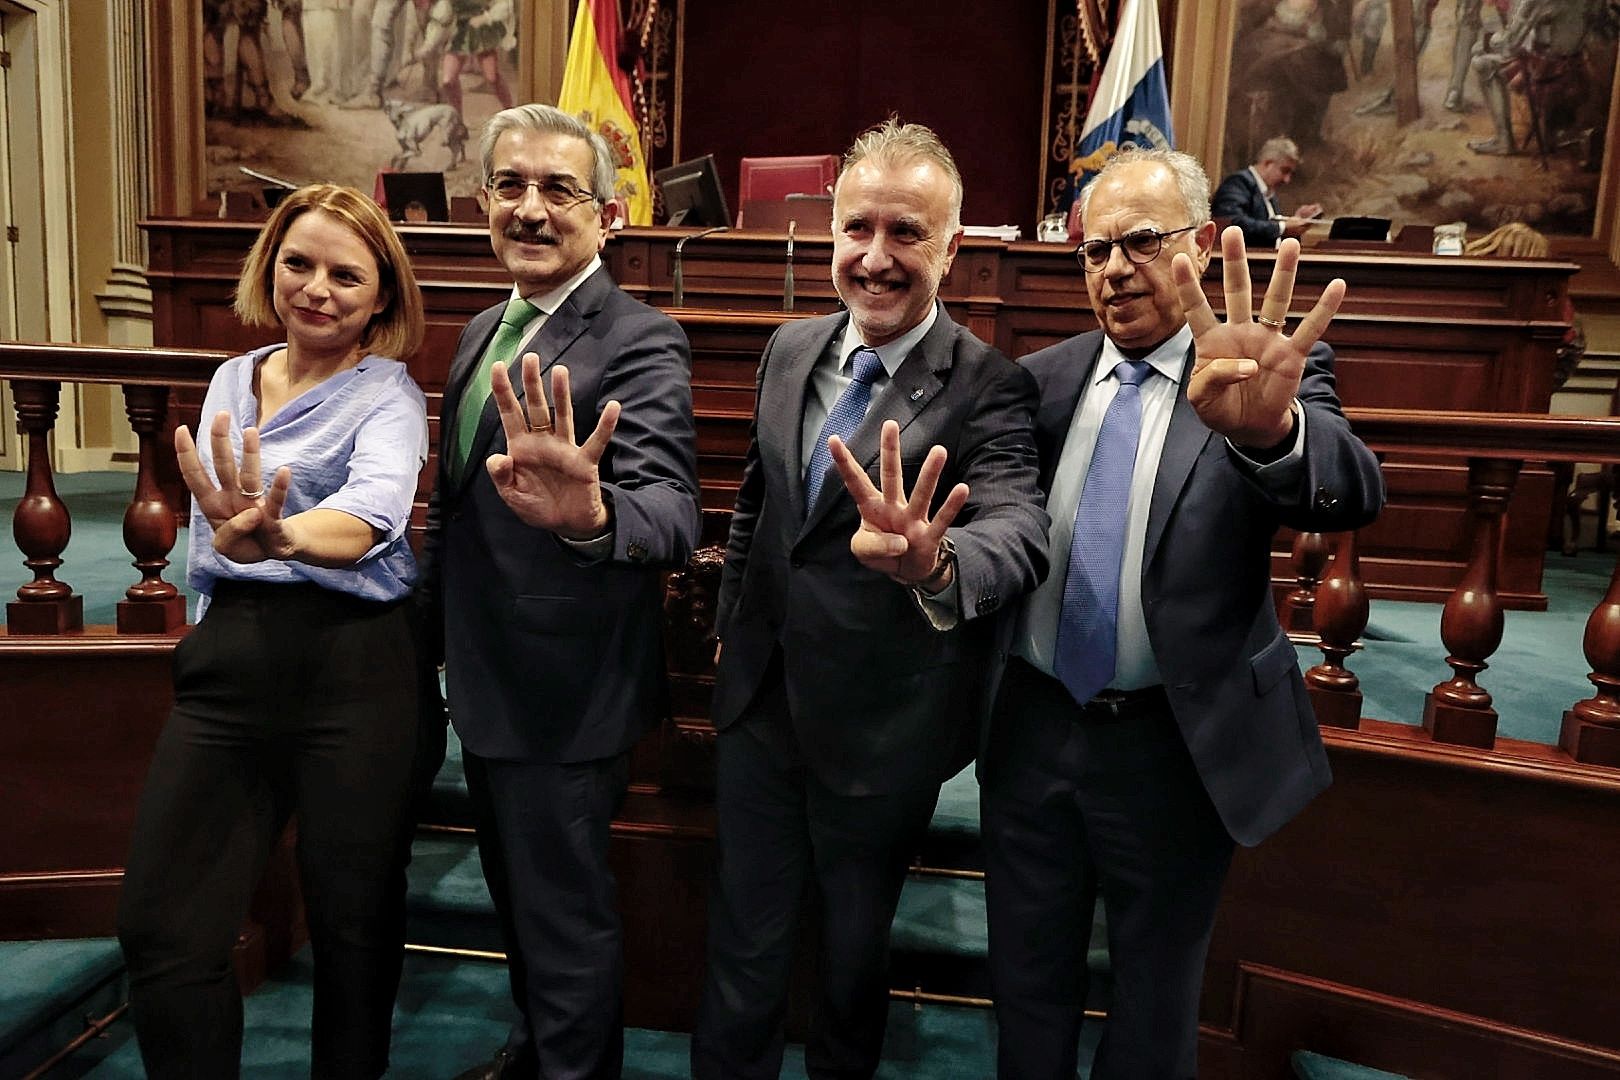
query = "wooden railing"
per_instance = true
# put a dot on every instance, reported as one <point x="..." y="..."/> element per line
<point x="1329" y="595"/>
<point x="1458" y="710"/>
<point x="42" y="524"/>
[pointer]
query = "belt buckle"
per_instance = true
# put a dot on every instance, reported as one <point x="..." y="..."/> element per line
<point x="1109" y="703"/>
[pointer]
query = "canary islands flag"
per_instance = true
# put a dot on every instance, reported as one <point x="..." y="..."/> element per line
<point x="1132" y="105"/>
<point x="597" y="90"/>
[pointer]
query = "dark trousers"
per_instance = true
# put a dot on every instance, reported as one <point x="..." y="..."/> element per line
<point x="289" y="700"/>
<point x="1072" y="808"/>
<point x="543" y="831"/>
<point x="780" y="832"/>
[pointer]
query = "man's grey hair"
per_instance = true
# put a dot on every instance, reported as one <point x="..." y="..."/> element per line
<point x="550" y="120"/>
<point x="1184" y="169"/>
<point x="1279" y="148"/>
<point x="892" y="143"/>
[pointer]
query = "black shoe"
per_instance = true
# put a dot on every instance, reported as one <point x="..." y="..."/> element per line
<point x="505" y="1064"/>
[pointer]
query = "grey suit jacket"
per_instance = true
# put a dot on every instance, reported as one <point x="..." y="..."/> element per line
<point x="548" y="657"/>
<point x="1231" y="673"/>
<point x="880" y="700"/>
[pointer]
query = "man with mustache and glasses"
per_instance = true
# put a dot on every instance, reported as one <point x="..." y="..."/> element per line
<point x="1152" y="712"/>
<point x="541" y="572"/>
<point x="857" y="611"/>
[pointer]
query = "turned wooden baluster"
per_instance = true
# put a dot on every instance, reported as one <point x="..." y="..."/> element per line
<point x="1591" y="730"/>
<point x="151" y="605"/>
<point x="1459" y="710"/>
<point x="41" y="524"/>
<point x="1341" y="616"/>
<point x="1310" y="555"/>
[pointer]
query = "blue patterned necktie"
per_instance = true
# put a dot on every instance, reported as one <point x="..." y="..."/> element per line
<point x="1088" y="621"/>
<point x="846" y="415"/>
<point x="473" y="399"/>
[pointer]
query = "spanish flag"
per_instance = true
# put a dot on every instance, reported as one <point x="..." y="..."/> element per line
<point x="597" y="90"/>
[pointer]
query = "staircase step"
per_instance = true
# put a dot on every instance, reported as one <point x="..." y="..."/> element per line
<point x="940" y="943"/>
<point x="48" y="990"/>
<point x="1312" y="1066"/>
<point x="447" y="904"/>
<point x="451" y="1015"/>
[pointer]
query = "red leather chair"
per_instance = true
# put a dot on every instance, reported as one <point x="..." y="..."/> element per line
<point x="773" y="179"/>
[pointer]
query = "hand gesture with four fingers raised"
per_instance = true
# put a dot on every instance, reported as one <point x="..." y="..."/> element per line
<point x="547" y="480"/>
<point x="896" y="536"/>
<point x="1247" y="370"/>
<point x="247" y="522"/>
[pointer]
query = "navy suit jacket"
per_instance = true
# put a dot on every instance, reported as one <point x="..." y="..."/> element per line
<point x="1238" y="201"/>
<point x="881" y="701"/>
<point x="1231" y="674"/>
<point x="549" y="657"/>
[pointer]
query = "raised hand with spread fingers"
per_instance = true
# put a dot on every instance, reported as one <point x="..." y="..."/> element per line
<point x="897" y="537"/>
<point x="1247" y="370"/>
<point x="247" y="522"/>
<point x="544" y="477"/>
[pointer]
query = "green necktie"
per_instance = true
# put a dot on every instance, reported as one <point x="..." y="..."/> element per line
<point x="476" y="395"/>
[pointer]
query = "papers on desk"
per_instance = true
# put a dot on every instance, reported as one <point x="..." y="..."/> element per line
<point x="1007" y="233"/>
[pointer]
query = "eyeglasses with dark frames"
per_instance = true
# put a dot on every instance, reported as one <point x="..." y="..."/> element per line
<point x="509" y="189"/>
<point x="1141" y="246"/>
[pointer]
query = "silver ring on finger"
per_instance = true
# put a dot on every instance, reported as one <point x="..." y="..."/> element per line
<point x="1275" y="324"/>
<point x="246" y="494"/>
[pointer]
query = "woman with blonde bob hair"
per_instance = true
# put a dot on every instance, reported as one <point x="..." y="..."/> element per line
<point x="295" y="693"/>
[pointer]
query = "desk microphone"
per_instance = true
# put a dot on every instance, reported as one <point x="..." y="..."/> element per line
<point x="787" y="273"/>
<point x="679" y="299"/>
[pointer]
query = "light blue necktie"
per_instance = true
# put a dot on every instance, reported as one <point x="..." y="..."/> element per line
<point x="476" y="395"/>
<point x="1088" y="621"/>
<point x="846" y="415"/>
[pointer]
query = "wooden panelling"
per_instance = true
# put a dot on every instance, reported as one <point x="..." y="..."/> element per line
<point x="1415" y="331"/>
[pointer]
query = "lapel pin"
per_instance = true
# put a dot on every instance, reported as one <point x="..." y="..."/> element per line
<point x="917" y="393"/>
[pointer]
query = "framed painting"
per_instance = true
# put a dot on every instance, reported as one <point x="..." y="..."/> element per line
<point x="1515" y="101"/>
<point x="335" y="90"/>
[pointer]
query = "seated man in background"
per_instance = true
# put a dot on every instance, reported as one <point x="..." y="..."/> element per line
<point x="1248" y="198"/>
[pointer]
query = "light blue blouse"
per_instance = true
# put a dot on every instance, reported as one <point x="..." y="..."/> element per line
<point x="355" y="443"/>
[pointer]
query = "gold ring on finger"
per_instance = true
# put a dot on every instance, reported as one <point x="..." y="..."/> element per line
<point x="1275" y="324"/>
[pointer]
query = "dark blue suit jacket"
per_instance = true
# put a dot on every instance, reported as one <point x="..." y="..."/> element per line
<point x="548" y="657"/>
<point x="1231" y="674"/>
<point x="1238" y="201"/>
<point x="881" y="701"/>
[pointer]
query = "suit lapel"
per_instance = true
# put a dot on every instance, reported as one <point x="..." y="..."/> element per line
<point x="1184" y="441"/>
<point x="784" y="413"/>
<point x="1063" y="389"/>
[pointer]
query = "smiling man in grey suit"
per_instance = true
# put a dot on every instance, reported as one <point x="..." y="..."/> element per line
<point x="541" y="574"/>
<point x="1153" y="712"/>
<point x="855" y="622"/>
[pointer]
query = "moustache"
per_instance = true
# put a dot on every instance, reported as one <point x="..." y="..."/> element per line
<point x="530" y="236"/>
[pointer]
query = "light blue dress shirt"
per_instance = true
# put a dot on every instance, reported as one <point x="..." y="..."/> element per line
<point x="1035" y="638"/>
<point x="355" y="443"/>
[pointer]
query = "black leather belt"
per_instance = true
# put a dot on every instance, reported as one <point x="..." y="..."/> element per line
<point x="1113" y="705"/>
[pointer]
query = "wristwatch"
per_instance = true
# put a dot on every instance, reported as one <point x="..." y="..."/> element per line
<point x="943" y="561"/>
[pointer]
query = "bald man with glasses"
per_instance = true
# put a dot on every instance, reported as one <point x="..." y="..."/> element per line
<point x="1152" y="713"/>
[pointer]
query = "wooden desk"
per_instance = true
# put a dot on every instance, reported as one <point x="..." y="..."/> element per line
<point x="1415" y="331"/>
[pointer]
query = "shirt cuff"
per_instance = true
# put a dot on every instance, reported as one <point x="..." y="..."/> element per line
<point x="943" y="610"/>
<point x="1278" y="478"/>
<point x="596" y="549"/>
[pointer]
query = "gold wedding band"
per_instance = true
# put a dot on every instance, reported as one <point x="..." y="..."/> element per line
<point x="1275" y="324"/>
<point x="250" y="494"/>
